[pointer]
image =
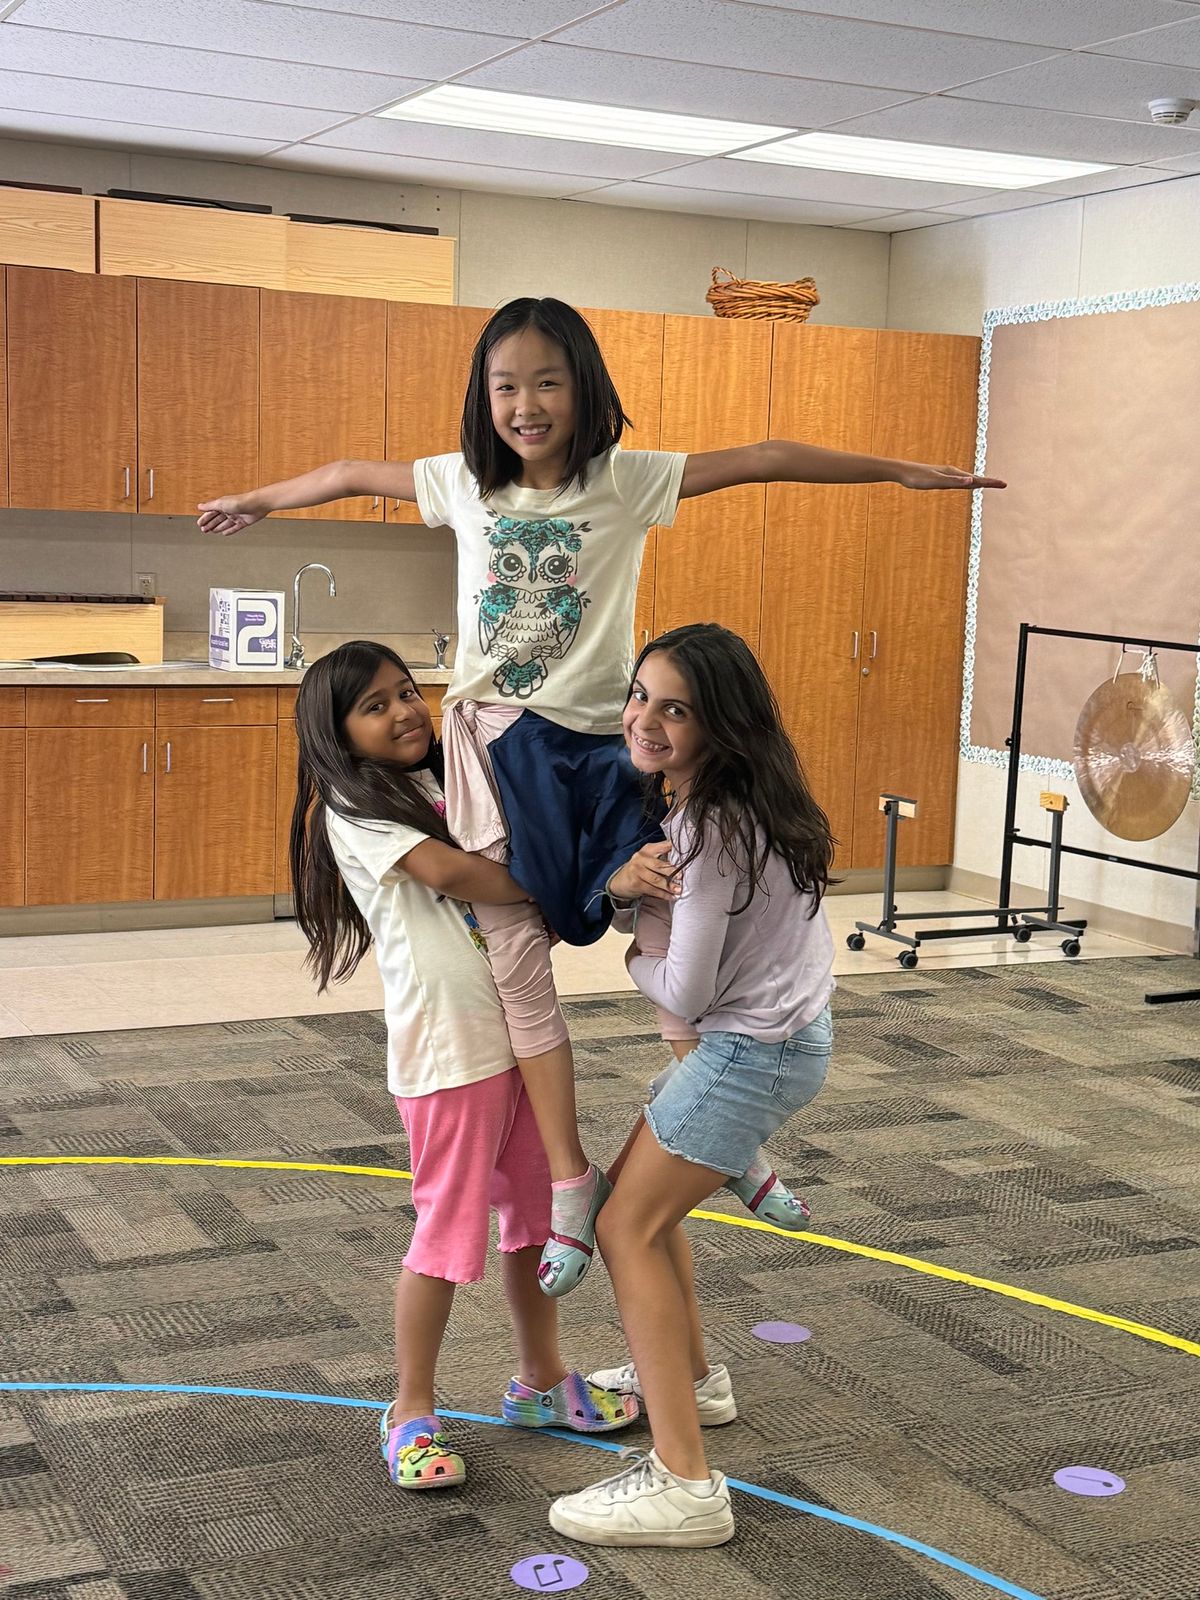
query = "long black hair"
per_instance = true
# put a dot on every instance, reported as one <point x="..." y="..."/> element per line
<point x="750" y="786"/>
<point x="329" y="776"/>
<point x="599" y="418"/>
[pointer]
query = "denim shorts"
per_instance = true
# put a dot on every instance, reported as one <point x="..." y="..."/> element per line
<point x="717" y="1105"/>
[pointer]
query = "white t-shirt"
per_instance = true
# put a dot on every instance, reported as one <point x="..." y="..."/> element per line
<point x="547" y="582"/>
<point x="444" y="1019"/>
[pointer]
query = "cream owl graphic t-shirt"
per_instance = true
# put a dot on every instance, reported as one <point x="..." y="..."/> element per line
<point x="547" y="582"/>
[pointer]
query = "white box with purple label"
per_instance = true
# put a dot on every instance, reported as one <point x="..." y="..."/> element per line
<point x="245" y="629"/>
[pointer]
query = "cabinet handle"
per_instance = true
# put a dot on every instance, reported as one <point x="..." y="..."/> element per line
<point x="168" y="755"/>
<point x="145" y="757"/>
<point x="151" y="483"/>
<point x="217" y="700"/>
<point x="874" y="644"/>
<point x="101" y="701"/>
<point x="125" y="496"/>
<point x="854" y="651"/>
<point x="375" y="502"/>
<point x="645" y="637"/>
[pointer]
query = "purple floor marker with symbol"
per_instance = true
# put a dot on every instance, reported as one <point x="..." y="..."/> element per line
<point x="1088" y="1480"/>
<point x="781" y="1332"/>
<point x="549" y="1574"/>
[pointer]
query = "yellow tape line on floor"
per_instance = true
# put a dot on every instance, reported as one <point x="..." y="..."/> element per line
<point x="1066" y="1308"/>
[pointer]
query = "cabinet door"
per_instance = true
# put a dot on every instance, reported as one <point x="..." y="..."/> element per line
<point x="214" y="828"/>
<point x="72" y="387"/>
<point x="3" y="395"/>
<point x="913" y="613"/>
<point x="322" y="366"/>
<point x="197" y="349"/>
<point x="632" y="346"/>
<point x="286" y="751"/>
<point x="428" y="359"/>
<point x="814" y="558"/>
<point x="716" y="392"/>
<point x="12" y="816"/>
<point x="89" y="816"/>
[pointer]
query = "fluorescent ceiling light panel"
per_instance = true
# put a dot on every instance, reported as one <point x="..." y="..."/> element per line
<point x="453" y="106"/>
<point x="932" y="163"/>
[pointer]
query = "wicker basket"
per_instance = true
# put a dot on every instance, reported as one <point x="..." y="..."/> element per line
<point x="743" y="297"/>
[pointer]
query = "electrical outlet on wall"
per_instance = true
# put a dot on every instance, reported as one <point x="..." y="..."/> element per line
<point x="146" y="584"/>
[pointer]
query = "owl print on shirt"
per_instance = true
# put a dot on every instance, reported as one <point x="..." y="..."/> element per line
<point x="530" y="612"/>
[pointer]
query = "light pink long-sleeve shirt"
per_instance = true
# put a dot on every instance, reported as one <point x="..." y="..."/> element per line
<point x="765" y="972"/>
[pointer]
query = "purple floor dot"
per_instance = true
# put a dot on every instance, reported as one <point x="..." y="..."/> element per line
<point x="781" y="1332"/>
<point x="1088" y="1480"/>
<point x="549" y="1574"/>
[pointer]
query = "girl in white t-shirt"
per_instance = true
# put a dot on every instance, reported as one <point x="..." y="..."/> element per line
<point x="373" y="862"/>
<point x="550" y="518"/>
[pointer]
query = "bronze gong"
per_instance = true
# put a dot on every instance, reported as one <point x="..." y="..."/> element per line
<point x="1134" y="755"/>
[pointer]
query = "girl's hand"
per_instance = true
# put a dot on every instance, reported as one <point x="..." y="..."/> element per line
<point x="913" y="475"/>
<point x="230" y="514"/>
<point x="649" y="873"/>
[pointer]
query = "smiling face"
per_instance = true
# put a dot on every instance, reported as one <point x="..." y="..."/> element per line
<point x="389" y="721"/>
<point x="661" y="727"/>
<point x="532" y="396"/>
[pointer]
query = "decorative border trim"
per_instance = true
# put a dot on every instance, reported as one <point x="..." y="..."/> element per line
<point x="1040" y="311"/>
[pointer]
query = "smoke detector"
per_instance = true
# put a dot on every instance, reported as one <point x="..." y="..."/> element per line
<point x="1171" y="112"/>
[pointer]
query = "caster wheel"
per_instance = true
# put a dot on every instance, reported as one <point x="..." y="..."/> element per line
<point x="907" y="958"/>
<point x="856" y="941"/>
<point x="1022" y="935"/>
<point x="1070" y="947"/>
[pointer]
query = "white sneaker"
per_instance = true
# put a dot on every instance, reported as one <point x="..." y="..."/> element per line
<point x="714" y="1392"/>
<point x="645" y="1504"/>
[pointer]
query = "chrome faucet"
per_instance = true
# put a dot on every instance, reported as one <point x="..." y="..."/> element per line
<point x="296" y="656"/>
<point x="441" y="642"/>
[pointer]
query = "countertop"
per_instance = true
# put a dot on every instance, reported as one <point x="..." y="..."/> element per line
<point x="170" y="675"/>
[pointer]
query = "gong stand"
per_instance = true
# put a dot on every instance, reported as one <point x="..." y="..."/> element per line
<point x="1013" y="835"/>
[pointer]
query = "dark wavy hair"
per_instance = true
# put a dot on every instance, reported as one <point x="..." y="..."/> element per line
<point x="330" y="777"/>
<point x="749" y="787"/>
<point x="599" y="417"/>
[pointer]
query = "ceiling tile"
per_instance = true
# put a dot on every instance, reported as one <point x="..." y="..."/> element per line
<point x="529" y="19"/>
<point x="993" y="205"/>
<point x="1068" y="24"/>
<point x="275" y="32"/>
<point x="128" y="135"/>
<point x="900" y="222"/>
<point x="1087" y="85"/>
<point x="1174" y="47"/>
<point x="435" y="174"/>
<point x="1105" y="182"/>
<point x="812" y="183"/>
<point x="762" y="39"/>
<point x="500" y="150"/>
<point x="975" y="124"/>
<point x="1183" y="164"/>
<point x="687" y="87"/>
<point x="75" y="55"/>
<point x="703" y="202"/>
<point x="22" y="92"/>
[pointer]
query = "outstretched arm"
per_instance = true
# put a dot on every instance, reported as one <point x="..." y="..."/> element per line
<point x="336" y="480"/>
<point x="788" y="461"/>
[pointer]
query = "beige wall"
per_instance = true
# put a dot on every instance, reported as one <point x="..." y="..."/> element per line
<point x="942" y="280"/>
<point x="402" y="580"/>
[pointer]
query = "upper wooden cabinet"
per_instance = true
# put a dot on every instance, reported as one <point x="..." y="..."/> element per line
<point x="72" y="391"/>
<point x="321" y="390"/>
<point x="428" y="359"/>
<point x="197" y="347"/>
<point x="3" y="396"/>
<point x="715" y="394"/>
<point x="632" y="345"/>
<point x="39" y="228"/>
<point x="199" y="243"/>
<point x="370" y="261"/>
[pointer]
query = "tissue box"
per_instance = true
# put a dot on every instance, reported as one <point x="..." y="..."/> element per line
<point x="245" y="629"/>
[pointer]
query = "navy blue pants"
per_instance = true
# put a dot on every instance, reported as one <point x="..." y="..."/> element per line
<point x="576" y="811"/>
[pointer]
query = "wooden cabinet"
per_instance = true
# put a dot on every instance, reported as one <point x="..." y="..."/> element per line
<point x="915" y="588"/>
<point x="12" y="797"/>
<point x="286" y="750"/>
<point x="814" y="559"/>
<point x="3" y="396"/>
<point x="39" y="228"/>
<point x="322" y="388"/>
<point x="89" y="815"/>
<point x="198" y="243"/>
<point x="428" y="360"/>
<point x="72" y="385"/>
<point x="197" y="349"/>
<point x="716" y="393"/>
<point x="214" y="822"/>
